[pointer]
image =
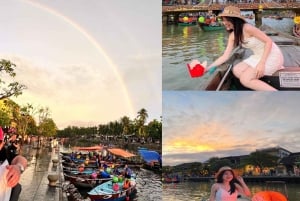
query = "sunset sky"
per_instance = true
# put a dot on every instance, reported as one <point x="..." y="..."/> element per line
<point x="90" y="62"/>
<point x="200" y="125"/>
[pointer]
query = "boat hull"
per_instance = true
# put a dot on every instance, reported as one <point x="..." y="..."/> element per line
<point x="106" y="192"/>
<point x="205" y="27"/>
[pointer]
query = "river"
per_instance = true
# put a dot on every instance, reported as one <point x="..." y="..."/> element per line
<point x="181" y="44"/>
<point x="200" y="191"/>
<point x="33" y="180"/>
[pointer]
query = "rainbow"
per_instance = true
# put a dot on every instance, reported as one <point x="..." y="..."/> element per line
<point x="94" y="42"/>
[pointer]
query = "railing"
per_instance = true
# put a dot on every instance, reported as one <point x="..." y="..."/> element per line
<point x="220" y="6"/>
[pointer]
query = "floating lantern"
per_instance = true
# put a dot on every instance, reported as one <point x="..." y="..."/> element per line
<point x="297" y="19"/>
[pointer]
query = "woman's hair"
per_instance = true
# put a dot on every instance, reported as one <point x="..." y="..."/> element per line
<point x="238" y="25"/>
<point x="231" y="183"/>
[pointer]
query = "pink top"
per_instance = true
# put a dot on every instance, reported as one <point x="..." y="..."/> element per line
<point x="223" y="195"/>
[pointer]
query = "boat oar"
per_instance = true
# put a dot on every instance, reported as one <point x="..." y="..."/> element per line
<point x="224" y="77"/>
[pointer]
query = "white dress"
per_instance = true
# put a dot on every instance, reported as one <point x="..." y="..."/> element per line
<point x="4" y="189"/>
<point x="223" y="195"/>
<point x="274" y="61"/>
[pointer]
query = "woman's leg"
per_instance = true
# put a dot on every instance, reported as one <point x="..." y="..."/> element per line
<point x="247" y="76"/>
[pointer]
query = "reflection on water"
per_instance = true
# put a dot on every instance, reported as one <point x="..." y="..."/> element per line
<point x="182" y="44"/>
<point x="200" y="191"/>
<point x="148" y="186"/>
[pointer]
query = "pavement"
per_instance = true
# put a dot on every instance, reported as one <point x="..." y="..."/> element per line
<point x="34" y="181"/>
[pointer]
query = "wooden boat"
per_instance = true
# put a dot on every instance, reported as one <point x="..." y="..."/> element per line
<point x="285" y="79"/>
<point x="211" y="27"/>
<point x="107" y="191"/>
<point x="169" y="180"/>
<point x="152" y="159"/>
<point x="187" y="19"/>
<point x="86" y="180"/>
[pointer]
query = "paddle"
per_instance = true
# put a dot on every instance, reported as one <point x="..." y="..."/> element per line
<point x="224" y="77"/>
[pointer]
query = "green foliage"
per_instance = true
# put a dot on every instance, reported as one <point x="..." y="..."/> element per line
<point x="154" y="129"/>
<point x="262" y="159"/>
<point x="4" y="118"/>
<point x="12" y="88"/>
<point x="47" y="128"/>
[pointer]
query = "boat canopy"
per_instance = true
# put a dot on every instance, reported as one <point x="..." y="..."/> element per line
<point x="121" y="152"/>
<point x="93" y="148"/>
<point x="149" y="155"/>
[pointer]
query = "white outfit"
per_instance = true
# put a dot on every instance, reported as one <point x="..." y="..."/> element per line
<point x="4" y="189"/>
<point x="274" y="61"/>
<point x="223" y="195"/>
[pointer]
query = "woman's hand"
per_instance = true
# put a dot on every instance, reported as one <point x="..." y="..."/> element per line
<point x="240" y="179"/>
<point x="260" y="70"/>
<point x="13" y="175"/>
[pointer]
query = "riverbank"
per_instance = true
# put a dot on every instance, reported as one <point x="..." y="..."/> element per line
<point x="34" y="181"/>
<point x="257" y="179"/>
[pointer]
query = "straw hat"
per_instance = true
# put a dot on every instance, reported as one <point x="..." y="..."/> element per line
<point x="231" y="11"/>
<point x="223" y="169"/>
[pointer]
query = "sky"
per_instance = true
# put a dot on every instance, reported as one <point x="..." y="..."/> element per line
<point x="89" y="62"/>
<point x="200" y="125"/>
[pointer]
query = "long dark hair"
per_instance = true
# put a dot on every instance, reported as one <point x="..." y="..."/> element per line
<point x="231" y="183"/>
<point x="238" y="25"/>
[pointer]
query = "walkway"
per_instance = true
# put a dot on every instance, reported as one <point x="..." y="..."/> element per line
<point x="34" y="180"/>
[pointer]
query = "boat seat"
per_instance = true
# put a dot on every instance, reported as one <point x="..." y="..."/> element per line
<point x="287" y="69"/>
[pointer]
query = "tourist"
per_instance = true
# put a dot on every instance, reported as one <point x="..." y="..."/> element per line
<point x="228" y="186"/>
<point x="266" y="58"/>
<point x="16" y="166"/>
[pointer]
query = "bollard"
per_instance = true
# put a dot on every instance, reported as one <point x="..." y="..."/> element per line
<point x="53" y="179"/>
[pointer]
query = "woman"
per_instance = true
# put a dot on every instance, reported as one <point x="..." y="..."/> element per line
<point x="266" y="59"/>
<point x="228" y="186"/>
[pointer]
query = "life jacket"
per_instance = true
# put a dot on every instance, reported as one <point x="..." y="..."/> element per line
<point x="126" y="184"/>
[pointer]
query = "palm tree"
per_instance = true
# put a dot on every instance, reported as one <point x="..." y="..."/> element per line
<point x="141" y="120"/>
<point x="125" y="121"/>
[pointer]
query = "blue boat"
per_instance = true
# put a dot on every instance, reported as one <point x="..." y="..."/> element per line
<point x="152" y="159"/>
<point x="109" y="192"/>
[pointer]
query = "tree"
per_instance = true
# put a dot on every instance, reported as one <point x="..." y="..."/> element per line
<point x="4" y="118"/>
<point x="216" y="163"/>
<point x="154" y="129"/>
<point x="12" y="88"/>
<point x="48" y="128"/>
<point x="125" y="121"/>
<point x="140" y="122"/>
<point x="262" y="159"/>
<point x="26" y="117"/>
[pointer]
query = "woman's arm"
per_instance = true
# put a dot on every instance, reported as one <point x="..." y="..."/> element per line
<point x="242" y="188"/>
<point x="213" y="191"/>
<point x="15" y="169"/>
<point x="226" y="54"/>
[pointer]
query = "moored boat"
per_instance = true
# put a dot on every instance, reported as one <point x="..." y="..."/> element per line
<point x="187" y="19"/>
<point x="211" y="27"/>
<point x="86" y="180"/>
<point x="152" y="159"/>
<point x="285" y="79"/>
<point x="113" y="191"/>
<point x="169" y="180"/>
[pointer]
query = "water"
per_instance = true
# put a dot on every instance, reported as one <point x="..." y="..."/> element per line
<point x="34" y="183"/>
<point x="182" y="44"/>
<point x="200" y="191"/>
